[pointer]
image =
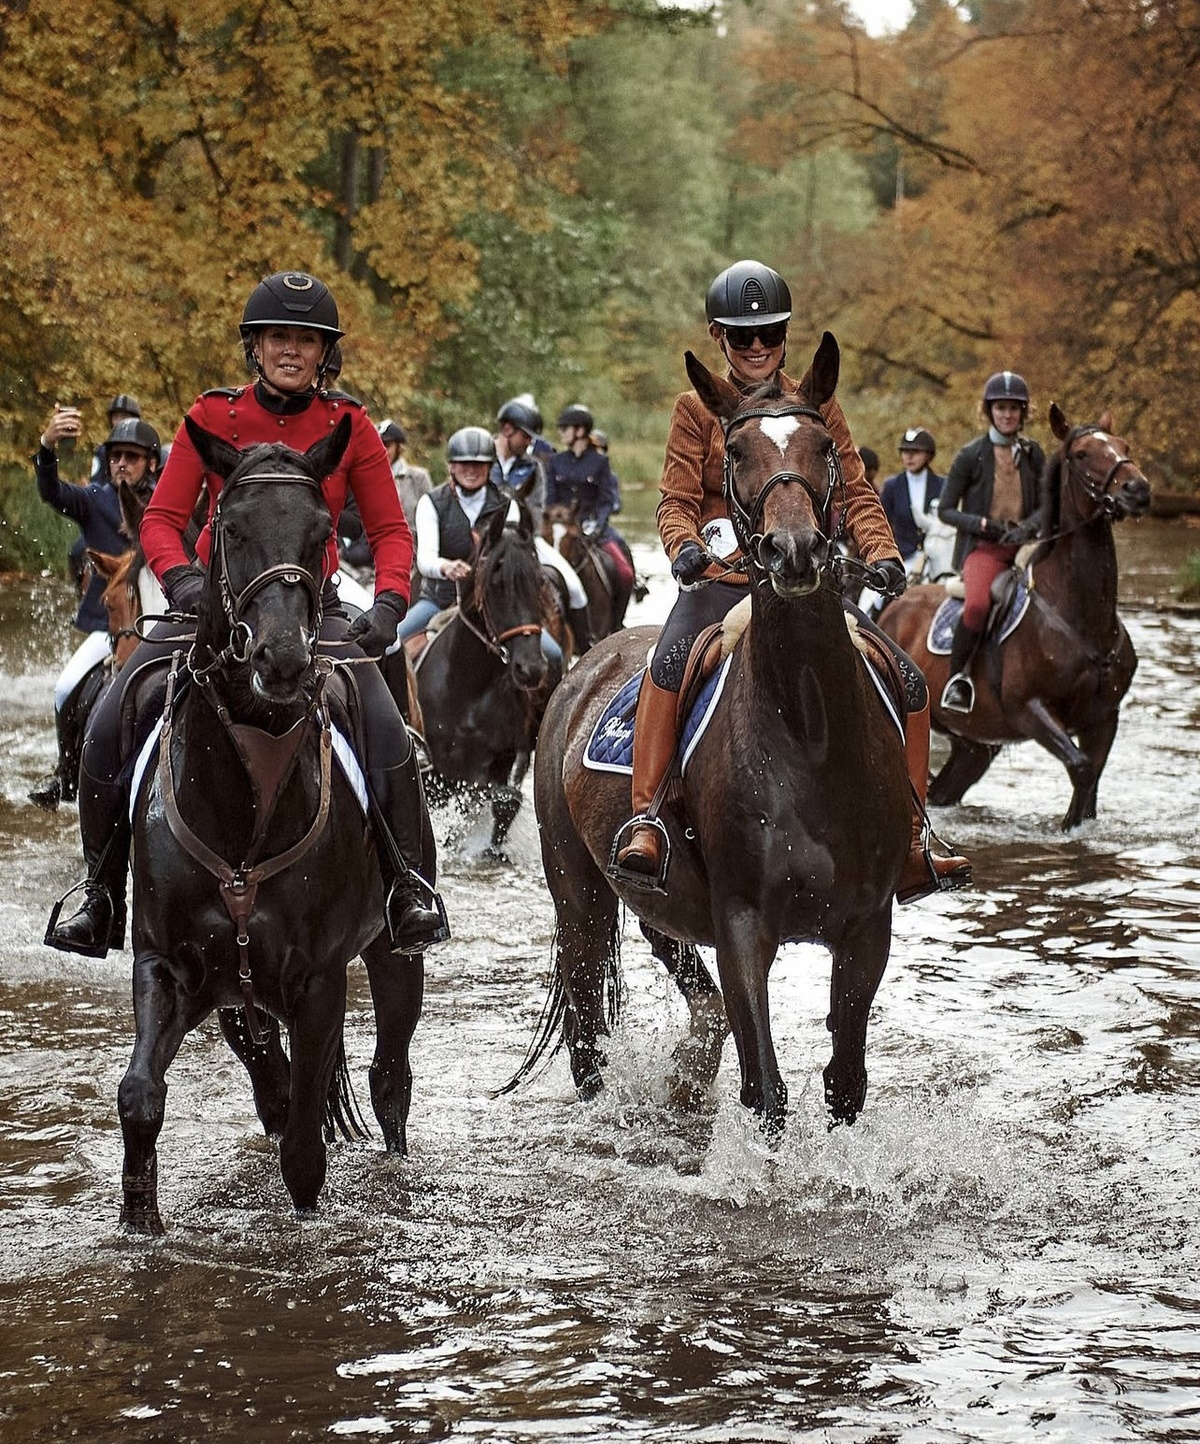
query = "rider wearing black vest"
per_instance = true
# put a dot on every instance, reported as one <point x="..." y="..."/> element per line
<point x="457" y="538"/>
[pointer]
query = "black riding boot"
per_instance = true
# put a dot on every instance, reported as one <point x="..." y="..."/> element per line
<point x="61" y="785"/>
<point x="413" y="911"/>
<point x="958" y="695"/>
<point x="99" y="923"/>
<point x="581" y="629"/>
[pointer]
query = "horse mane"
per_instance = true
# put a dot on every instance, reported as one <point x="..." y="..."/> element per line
<point x="253" y="456"/>
<point x="512" y="583"/>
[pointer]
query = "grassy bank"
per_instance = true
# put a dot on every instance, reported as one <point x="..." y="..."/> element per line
<point x="33" y="538"/>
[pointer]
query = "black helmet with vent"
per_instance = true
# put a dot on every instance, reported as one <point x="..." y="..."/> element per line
<point x="748" y="292"/>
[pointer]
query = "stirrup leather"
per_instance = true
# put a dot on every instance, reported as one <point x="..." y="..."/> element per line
<point x="642" y="881"/>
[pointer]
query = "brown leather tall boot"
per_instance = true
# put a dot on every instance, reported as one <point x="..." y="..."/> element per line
<point x="931" y="865"/>
<point x="654" y="742"/>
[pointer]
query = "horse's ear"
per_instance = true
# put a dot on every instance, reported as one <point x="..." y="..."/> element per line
<point x="1058" y="422"/>
<point x="1105" y="422"/>
<point x="104" y="562"/>
<point x="323" y="456"/>
<point x="826" y="366"/>
<point x="494" y="529"/>
<point x="218" y="456"/>
<point x="721" y="398"/>
<point x="132" y="508"/>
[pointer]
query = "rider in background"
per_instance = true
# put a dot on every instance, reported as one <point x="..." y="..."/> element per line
<point x="412" y="482"/>
<point x="450" y="521"/>
<point x="748" y="307"/>
<point x="995" y="500"/>
<point x="289" y="328"/>
<point x="581" y="475"/>
<point x="517" y="440"/>
<point x="870" y="461"/>
<point x="131" y="454"/>
<point x="908" y="500"/>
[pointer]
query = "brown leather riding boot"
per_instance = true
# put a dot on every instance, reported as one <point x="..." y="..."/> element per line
<point x="654" y="742"/>
<point x="931" y="865"/>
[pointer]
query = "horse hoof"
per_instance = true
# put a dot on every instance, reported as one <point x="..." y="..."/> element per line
<point x="142" y="1221"/>
<point x="589" y="1087"/>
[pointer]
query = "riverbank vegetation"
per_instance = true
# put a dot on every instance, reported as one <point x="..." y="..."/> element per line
<point x="533" y="196"/>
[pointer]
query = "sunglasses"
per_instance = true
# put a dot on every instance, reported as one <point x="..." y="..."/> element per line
<point x="130" y="456"/>
<point x="741" y="338"/>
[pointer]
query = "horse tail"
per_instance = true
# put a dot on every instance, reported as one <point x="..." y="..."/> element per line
<point x="548" y="1036"/>
<point x="342" y="1113"/>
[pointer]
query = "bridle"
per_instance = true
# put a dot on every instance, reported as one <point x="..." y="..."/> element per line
<point x="1096" y="490"/>
<point x="492" y="637"/>
<point x="291" y="574"/>
<point x="747" y="520"/>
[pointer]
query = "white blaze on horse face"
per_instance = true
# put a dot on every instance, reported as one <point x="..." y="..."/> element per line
<point x="780" y="429"/>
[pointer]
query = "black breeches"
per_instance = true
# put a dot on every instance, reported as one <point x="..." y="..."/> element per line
<point x="692" y="612"/>
<point x="387" y="741"/>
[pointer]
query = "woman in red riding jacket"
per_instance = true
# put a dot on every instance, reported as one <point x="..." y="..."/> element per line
<point x="289" y="330"/>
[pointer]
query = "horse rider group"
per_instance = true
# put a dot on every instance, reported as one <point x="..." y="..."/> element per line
<point x="290" y="333"/>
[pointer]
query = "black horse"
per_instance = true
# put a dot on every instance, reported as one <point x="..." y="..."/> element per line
<point x="255" y="873"/>
<point x="483" y="681"/>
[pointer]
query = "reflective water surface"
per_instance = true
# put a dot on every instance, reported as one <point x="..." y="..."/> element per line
<point x="1003" y="1248"/>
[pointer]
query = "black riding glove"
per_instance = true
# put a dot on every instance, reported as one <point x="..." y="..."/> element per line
<point x="887" y="577"/>
<point x="992" y="531"/>
<point x="184" y="587"/>
<point x="375" y="630"/>
<point x="690" y="561"/>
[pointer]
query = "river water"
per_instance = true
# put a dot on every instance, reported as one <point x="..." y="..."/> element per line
<point x="1004" y="1247"/>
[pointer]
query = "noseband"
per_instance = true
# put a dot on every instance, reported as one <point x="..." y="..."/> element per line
<point x="746" y="521"/>
<point x="289" y="574"/>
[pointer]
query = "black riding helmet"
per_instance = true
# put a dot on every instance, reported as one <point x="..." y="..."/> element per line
<point x="747" y="293"/>
<point x="134" y="432"/>
<point x="471" y="443"/>
<point x="575" y="415"/>
<point x="520" y="414"/>
<point x="126" y="403"/>
<point x="1005" y="386"/>
<point x="916" y="438"/>
<point x="291" y="298"/>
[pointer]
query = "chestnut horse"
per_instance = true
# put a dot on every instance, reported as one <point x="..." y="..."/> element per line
<point x="1060" y="676"/>
<point x="796" y="807"/>
<point x="594" y="566"/>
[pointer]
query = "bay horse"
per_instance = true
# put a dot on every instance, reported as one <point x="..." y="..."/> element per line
<point x="796" y="807"/>
<point x="593" y="564"/>
<point x="255" y="872"/>
<point x="1059" y="677"/>
<point x="483" y="680"/>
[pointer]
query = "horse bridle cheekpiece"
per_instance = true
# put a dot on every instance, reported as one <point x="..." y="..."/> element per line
<point x="746" y="521"/>
<point x="289" y="573"/>
<point x="1096" y="491"/>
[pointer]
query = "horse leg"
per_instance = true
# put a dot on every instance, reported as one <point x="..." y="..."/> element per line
<point x="858" y="965"/>
<point x="744" y="957"/>
<point x="164" y="1015"/>
<point x="316" y="1032"/>
<point x="266" y="1063"/>
<point x="506" y="803"/>
<point x="698" y="1056"/>
<point x="1035" y="720"/>
<point x="967" y="763"/>
<point x="1096" y="743"/>
<point x="397" y="991"/>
